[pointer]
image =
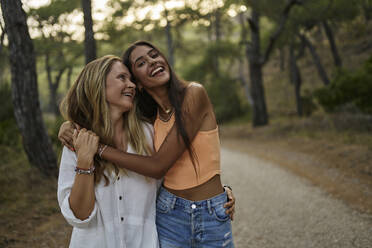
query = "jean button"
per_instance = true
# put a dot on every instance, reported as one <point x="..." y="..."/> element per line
<point x="193" y="206"/>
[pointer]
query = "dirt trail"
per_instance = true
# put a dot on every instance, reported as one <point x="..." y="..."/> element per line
<point x="276" y="208"/>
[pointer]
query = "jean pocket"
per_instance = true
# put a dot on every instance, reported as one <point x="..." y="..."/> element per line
<point x="162" y="206"/>
<point x="219" y="213"/>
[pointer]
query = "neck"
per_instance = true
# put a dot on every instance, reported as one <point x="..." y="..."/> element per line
<point x="160" y="95"/>
<point x="117" y="122"/>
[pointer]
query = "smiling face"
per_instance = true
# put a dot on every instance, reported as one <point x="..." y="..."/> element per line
<point x="149" y="67"/>
<point x="120" y="91"/>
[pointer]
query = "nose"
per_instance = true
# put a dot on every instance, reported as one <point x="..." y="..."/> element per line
<point x="131" y="84"/>
<point x="152" y="61"/>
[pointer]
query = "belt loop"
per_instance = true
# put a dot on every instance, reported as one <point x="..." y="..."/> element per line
<point x="173" y="202"/>
<point x="209" y="206"/>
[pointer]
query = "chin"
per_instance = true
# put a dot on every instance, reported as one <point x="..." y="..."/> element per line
<point x="127" y="108"/>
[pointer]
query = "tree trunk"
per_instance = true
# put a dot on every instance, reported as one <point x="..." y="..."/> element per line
<point x="321" y="71"/>
<point x="89" y="42"/>
<point x="168" y="31"/>
<point x="69" y="74"/>
<point x="244" y="83"/>
<point x="24" y="89"/>
<point x="336" y="57"/>
<point x="295" y="77"/>
<point x="53" y="86"/>
<point x="260" y="116"/>
<point x="242" y="79"/>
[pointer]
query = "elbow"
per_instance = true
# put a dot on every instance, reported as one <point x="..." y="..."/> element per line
<point x="82" y="215"/>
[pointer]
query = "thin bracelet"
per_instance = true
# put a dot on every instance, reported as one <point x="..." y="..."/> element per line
<point x="101" y="149"/>
<point x="85" y="171"/>
<point x="227" y="186"/>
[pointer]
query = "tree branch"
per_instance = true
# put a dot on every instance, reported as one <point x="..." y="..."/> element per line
<point x="274" y="37"/>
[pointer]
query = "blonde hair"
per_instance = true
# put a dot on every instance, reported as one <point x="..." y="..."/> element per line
<point x="85" y="104"/>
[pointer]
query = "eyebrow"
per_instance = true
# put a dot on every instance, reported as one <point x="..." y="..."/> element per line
<point x="140" y="57"/>
<point x="124" y="73"/>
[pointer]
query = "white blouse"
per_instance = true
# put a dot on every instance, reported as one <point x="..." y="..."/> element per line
<point x="124" y="210"/>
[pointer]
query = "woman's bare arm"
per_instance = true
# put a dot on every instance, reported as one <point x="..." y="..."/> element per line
<point x="82" y="196"/>
<point x="195" y="108"/>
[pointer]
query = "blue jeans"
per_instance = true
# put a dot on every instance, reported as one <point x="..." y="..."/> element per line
<point x="182" y="223"/>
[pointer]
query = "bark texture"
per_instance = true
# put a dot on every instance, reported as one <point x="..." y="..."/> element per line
<point x="89" y="42"/>
<point x="24" y="89"/>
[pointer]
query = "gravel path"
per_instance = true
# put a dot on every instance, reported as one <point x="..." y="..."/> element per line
<point x="278" y="209"/>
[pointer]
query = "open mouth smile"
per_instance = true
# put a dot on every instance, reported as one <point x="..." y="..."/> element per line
<point x="128" y="93"/>
<point x="157" y="71"/>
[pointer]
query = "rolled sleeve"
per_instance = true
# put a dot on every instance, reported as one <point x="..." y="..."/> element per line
<point x="71" y="218"/>
<point x="65" y="181"/>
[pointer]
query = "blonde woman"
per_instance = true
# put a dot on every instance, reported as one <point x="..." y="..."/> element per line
<point x="107" y="206"/>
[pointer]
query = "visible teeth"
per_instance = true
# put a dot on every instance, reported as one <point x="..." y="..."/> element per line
<point x="156" y="71"/>
<point x="127" y="94"/>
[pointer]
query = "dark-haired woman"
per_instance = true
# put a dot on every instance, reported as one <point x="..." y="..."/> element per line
<point x="190" y="204"/>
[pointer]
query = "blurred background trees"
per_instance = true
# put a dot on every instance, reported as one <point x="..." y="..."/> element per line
<point x="259" y="60"/>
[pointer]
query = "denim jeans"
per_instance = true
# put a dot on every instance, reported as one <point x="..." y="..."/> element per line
<point x="202" y="224"/>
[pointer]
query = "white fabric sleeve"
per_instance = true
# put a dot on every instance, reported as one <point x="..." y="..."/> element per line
<point x="65" y="181"/>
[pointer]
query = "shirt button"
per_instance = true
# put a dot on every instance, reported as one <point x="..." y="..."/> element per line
<point x="120" y="198"/>
<point x="193" y="206"/>
<point x="122" y="218"/>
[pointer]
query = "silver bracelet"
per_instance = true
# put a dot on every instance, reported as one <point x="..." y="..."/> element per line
<point x="81" y="171"/>
<point x="227" y="186"/>
<point x="101" y="149"/>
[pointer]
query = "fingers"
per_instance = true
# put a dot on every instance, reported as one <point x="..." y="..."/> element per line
<point x="230" y="205"/>
<point x="65" y="134"/>
<point x="230" y="209"/>
<point x="76" y="126"/>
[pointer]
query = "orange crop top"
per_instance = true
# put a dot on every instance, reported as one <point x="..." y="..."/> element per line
<point x="206" y="145"/>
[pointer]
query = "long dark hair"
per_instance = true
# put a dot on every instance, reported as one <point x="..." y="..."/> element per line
<point x="176" y="94"/>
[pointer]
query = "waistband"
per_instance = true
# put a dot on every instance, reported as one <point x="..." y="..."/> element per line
<point x="172" y="200"/>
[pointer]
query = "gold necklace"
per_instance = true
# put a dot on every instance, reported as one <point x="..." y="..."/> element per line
<point x="169" y="112"/>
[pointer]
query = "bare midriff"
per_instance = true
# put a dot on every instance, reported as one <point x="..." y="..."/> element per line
<point x="201" y="192"/>
<point x="198" y="181"/>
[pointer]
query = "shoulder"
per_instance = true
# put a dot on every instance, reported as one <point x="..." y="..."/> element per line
<point x="195" y="88"/>
<point x="196" y="94"/>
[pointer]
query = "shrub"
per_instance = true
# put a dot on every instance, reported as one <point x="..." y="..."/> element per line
<point x="348" y="88"/>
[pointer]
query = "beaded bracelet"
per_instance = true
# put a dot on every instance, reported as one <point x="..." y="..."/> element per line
<point x="85" y="171"/>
